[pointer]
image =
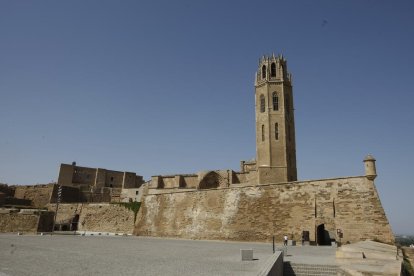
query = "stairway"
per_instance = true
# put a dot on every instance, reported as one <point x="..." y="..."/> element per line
<point x="292" y="269"/>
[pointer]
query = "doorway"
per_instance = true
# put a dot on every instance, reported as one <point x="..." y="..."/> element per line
<point x="322" y="236"/>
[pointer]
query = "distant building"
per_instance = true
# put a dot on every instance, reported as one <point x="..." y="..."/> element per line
<point x="101" y="185"/>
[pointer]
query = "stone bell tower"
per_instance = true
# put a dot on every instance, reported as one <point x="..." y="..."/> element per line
<point x="275" y="122"/>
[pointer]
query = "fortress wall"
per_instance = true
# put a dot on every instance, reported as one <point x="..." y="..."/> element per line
<point x="7" y="190"/>
<point x="191" y="181"/>
<point x="99" y="217"/>
<point x="256" y="213"/>
<point x="39" y="194"/>
<point x="27" y="223"/>
<point x="15" y="222"/>
<point x="170" y="181"/>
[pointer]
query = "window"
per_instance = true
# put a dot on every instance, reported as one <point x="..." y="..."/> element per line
<point x="273" y="70"/>
<point x="276" y="131"/>
<point x="112" y="178"/>
<point x="262" y="103"/>
<point x="275" y="101"/>
<point x="263" y="71"/>
<point x="263" y="134"/>
<point x="136" y="192"/>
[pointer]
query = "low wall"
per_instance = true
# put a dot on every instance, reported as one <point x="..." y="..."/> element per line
<point x="273" y="265"/>
<point x="39" y="194"/>
<point x="30" y="222"/>
<point x="99" y="217"/>
<point x="256" y="213"/>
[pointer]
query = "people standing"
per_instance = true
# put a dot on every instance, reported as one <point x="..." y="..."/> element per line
<point x="285" y="240"/>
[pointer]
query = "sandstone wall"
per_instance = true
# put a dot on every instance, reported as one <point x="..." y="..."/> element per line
<point x="409" y="253"/>
<point x="31" y="222"/>
<point x="40" y="195"/>
<point x="256" y="213"/>
<point x="99" y="217"/>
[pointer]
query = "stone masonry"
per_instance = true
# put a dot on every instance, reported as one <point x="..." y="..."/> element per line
<point x="258" y="212"/>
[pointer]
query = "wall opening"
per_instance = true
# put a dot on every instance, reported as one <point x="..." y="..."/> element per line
<point x="322" y="236"/>
<point x="210" y="181"/>
<point x="74" y="224"/>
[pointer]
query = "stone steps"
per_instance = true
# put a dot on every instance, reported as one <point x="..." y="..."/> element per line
<point x="292" y="269"/>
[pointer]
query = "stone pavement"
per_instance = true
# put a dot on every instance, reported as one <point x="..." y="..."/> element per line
<point x="131" y="255"/>
<point x="125" y="255"/>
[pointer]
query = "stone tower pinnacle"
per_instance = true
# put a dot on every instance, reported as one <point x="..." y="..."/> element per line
<point x="275" y="123"/>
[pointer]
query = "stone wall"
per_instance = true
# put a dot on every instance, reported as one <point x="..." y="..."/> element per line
<point x="39" y="194"/>
<point x="28" y="222"/>
<point x="7" y="190"/>
<point x="84" y="177"/>
<point x="99" y="217"/>
<point x="256" y="213"/>
<point x="409" y="254"/>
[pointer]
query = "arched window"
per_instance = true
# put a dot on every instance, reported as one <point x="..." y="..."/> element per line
<point x="273" y="70"/>
<point x="262" y="103"/>
<point x="263" y="133"/>
<point x="263" y="71"/>
<point x="275" y="101"/>
<point x="276" y="131"/>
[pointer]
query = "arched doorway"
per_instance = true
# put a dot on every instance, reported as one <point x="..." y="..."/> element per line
<point x="322" y="236"/>
<point x="210" y="181"/>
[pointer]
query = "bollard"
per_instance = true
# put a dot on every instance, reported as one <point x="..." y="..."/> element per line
<point x="273" y="244"/>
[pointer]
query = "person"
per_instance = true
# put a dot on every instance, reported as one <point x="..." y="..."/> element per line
<point x="303" y="238"/>
<point x="285" y="240"/>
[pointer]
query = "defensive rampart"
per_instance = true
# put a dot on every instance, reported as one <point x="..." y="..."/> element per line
<point x="27" y="221"/>
<point x="256" y="213"/>
<point x="99" y="217"/>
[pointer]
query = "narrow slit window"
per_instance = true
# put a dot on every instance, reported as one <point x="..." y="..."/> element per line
<point x="276" y="131"/>
<point x="263" y="133"/>
<point x="275" y="101"/>
<point x="262" y="103"/>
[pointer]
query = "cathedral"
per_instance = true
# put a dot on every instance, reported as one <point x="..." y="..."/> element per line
<point x="265" y="198"/>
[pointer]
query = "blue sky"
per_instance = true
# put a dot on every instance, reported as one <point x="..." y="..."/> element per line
<point x="161" y="87"/>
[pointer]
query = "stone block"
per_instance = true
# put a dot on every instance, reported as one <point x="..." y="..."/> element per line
<point x="291" y="242"/>
<point x="246" y="254"/>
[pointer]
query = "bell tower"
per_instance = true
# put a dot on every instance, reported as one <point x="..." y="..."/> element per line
<point x="275" y="122"/>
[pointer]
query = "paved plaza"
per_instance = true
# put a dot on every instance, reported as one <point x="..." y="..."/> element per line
<point x="130" y="255"/>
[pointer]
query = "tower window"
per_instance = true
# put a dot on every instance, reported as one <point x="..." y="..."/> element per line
<point x="263" y="71"/>
<point x="275" y="101"/>
<point x="262" y="103"/>
<point x="276" y="131"/>
<point x="273" y="70"/>
<point x="263" y="134"/>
